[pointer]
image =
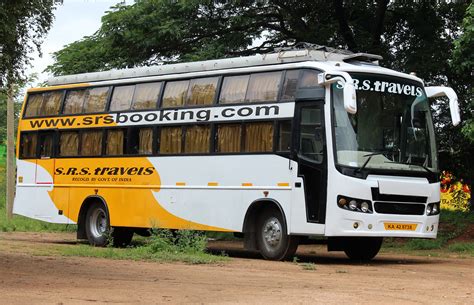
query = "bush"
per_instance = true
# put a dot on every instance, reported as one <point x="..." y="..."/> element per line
<point x="455" y="194"/>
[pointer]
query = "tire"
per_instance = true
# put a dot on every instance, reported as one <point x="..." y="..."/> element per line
<point x="273" y="241"/>
<point x="122" y="237"/>
<point x="362" y="248"/>
<point x="97" y="225"/>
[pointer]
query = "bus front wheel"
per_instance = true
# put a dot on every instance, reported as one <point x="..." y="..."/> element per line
<point x="362" y="248"/>
<point x="273" y="240"/>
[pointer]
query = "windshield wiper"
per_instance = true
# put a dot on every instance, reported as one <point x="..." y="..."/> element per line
<point x="370" y="157"/>
<point x="413" y="164"/>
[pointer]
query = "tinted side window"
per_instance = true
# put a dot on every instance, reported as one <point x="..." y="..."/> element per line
<point x="234" y="89"/>
<point x="263" y="87"/>
<point x="68" y="144"/>
<point x="28" y="143"/>
<point x="96" y="99"/>
<point x="91" y="143"/>
<point x="33" y="105"/>
<point x="146" y="96"/>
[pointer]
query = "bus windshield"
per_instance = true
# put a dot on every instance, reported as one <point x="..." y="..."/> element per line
<point x="392" y="129"/>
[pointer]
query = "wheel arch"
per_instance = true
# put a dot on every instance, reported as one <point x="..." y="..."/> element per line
<point x="251" y="216"/>
<point x="86" y="204"/>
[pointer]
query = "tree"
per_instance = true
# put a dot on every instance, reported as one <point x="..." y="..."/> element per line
<point x="463" y="64"/>
<point x="412" y="36"/>
<point x="24" y="24"/>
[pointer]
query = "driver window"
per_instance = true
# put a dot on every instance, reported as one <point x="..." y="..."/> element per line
<point x="311" y="134"/>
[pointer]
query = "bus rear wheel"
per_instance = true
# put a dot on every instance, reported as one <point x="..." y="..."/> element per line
<point x="98" y="230"/>
<point x="97" y="225"/>
<point x="362" y="248"/>
<point x="273" y="240"/>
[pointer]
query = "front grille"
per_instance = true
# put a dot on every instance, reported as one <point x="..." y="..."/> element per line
<point x="401" y="198"/>
<point x="399" y="208"/>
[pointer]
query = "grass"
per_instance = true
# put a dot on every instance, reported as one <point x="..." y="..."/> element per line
<point x="452" y="225"/>
<point x="163" y="245"/>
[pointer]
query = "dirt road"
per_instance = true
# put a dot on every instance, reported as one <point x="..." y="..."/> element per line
<point x="390" y="279"/>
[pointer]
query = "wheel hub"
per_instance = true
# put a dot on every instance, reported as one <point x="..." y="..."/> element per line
<point x="98" y="223"/>
<point x="272" y="232"/>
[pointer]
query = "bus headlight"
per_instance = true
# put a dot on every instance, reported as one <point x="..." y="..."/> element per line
<point x="354" y="204"/>
<point x="428" y="209"/>
<point x="432" y="208"/>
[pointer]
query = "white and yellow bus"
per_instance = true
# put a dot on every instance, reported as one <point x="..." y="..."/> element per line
<point x="297" y="143"/>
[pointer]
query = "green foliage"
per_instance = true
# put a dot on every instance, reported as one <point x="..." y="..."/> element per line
<point x="467" y="247"/>
<point x="23" y="25"/>
<point x="163" y="245"/>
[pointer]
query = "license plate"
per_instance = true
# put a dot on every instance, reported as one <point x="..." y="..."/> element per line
<point x="400" y="226"/>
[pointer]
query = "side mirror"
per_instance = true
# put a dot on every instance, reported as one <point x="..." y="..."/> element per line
<point x="347" y="83"/>
<point x="453" y="100"/>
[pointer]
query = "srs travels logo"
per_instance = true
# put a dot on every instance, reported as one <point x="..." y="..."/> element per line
<point x="103" y="174"/>
<point x="385" y="86"/>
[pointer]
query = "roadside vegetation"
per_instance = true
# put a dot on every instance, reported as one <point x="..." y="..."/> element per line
<point x="455" y="234"/>
<point x="163" y="245"/>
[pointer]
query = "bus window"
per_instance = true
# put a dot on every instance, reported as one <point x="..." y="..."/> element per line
<point x="202" y="91"/>
<point x="234" y="89"/>
<point x="146" y="96"/>
<point x="74" y="101"/>
<point x="289" y="85"/>
<point x="229" y="138"/>
<point x="309" y="79"/>
<point x="51" y="103"/>
<point x="68" y="143"/>
<point x="46" y="145"/>
<point x="28" y="145"/>
<point x="115" y="142"/>
<point x="170" y="140"/>
<point x="311" y="135"/>
<point x="91" y="143"/>
<point x="263" y="87"/>
<point x="258" y="137"/>
<point x="122" y="98"/>
<point x="284" y="139"/>
<point x="175" y="93"/>
<point x="197" y="139"/>
<point x="96" y="99"/>
<point x="140" y="141"/>
<point x="33" y="106"/>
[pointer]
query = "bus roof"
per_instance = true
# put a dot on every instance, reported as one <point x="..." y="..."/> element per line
<point x="310" y="53"/>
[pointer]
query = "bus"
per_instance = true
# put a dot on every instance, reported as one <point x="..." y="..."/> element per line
<point x="278" y="148"/>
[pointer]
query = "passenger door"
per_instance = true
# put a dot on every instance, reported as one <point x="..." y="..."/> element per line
<point x="311" y="157"/>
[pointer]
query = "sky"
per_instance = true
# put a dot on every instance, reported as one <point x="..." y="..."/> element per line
<point x="73" y="20"/>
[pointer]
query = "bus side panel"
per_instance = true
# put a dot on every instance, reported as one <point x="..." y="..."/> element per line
<point x="217" y="190"/>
